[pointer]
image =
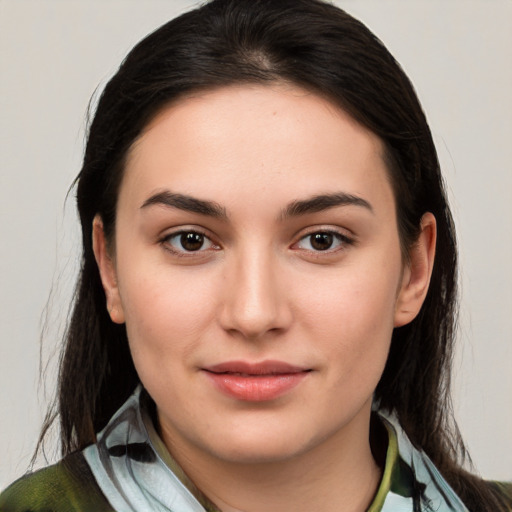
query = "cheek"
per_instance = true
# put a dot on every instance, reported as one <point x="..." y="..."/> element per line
<point x="355" y="299"/>
<point x="351" y="316"/>
<point x="166" y="312"/>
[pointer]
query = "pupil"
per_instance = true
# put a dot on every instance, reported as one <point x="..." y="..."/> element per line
<point x="321" y="241"/>
<point x="192" y="241"/>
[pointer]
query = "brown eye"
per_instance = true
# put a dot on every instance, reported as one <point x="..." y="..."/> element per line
<point x="321" y="241"/>
<point x="192" y="241"/>
<point x="184" y="242"/>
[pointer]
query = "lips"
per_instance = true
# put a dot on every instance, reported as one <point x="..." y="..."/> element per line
<point x="256" y="382"/>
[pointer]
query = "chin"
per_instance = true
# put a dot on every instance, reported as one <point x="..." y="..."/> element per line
<point x="260" y="443"/>
<point x="258" y="452"/>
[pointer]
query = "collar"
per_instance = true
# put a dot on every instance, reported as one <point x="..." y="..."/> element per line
<point x="135" y="471"/>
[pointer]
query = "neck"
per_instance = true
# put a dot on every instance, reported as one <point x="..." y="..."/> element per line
<point x="337" y="475"/>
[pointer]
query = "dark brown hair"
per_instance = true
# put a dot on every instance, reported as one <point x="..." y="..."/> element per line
<point x="321" y="48"/>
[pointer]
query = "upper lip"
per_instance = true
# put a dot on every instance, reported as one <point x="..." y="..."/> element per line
<point x="261" y="368"/>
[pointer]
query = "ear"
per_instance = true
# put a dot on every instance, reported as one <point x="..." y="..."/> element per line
<point x="107" y="270"/>
<point x="417" y="272"/>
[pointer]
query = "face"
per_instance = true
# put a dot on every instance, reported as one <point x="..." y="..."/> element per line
<point x="258" y="269"/>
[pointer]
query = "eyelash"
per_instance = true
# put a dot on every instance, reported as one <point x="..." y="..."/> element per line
<point x="166" y="242"/>
<point x="341" y="239"/>
<point x="336" y="237"/>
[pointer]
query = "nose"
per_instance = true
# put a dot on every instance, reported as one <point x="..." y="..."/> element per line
<point x="255" y="300"/>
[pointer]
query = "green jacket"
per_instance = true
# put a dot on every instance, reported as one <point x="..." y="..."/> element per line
<point x="129" y="469"/>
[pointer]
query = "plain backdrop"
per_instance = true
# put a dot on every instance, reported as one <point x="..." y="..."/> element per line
<point x="54" y="54"/>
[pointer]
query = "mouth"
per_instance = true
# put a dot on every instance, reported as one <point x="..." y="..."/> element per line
<point x="255" y="382"/>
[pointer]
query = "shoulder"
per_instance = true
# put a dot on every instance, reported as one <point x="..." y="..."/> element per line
<point x="66" y="486"/>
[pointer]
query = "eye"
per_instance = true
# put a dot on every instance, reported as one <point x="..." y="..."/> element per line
<point x="323" y="241"/>
<point x="188" y="242"/>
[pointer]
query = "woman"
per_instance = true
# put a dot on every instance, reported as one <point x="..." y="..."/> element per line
<point x="268" y="255"/>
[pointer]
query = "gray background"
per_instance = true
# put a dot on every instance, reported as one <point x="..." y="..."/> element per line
<point x="53" y="54"/>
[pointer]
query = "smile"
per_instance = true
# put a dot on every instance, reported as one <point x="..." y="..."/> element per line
<point x="257" y="382"/>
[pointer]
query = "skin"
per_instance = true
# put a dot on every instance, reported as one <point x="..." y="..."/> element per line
<point x="258" y="290"/>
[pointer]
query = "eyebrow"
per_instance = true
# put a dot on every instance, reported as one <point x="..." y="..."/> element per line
<point x="313" y="204"/>
<point x="186" y="203"/>
<point x="322" y="202"/>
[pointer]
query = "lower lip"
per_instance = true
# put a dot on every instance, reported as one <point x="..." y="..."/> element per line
<point x="259" y="388"/>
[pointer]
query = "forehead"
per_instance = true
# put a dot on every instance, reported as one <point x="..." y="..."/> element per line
<point x="264" y="137"/>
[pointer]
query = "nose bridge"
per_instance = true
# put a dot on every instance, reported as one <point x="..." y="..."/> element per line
<point x="255" y="303"/>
